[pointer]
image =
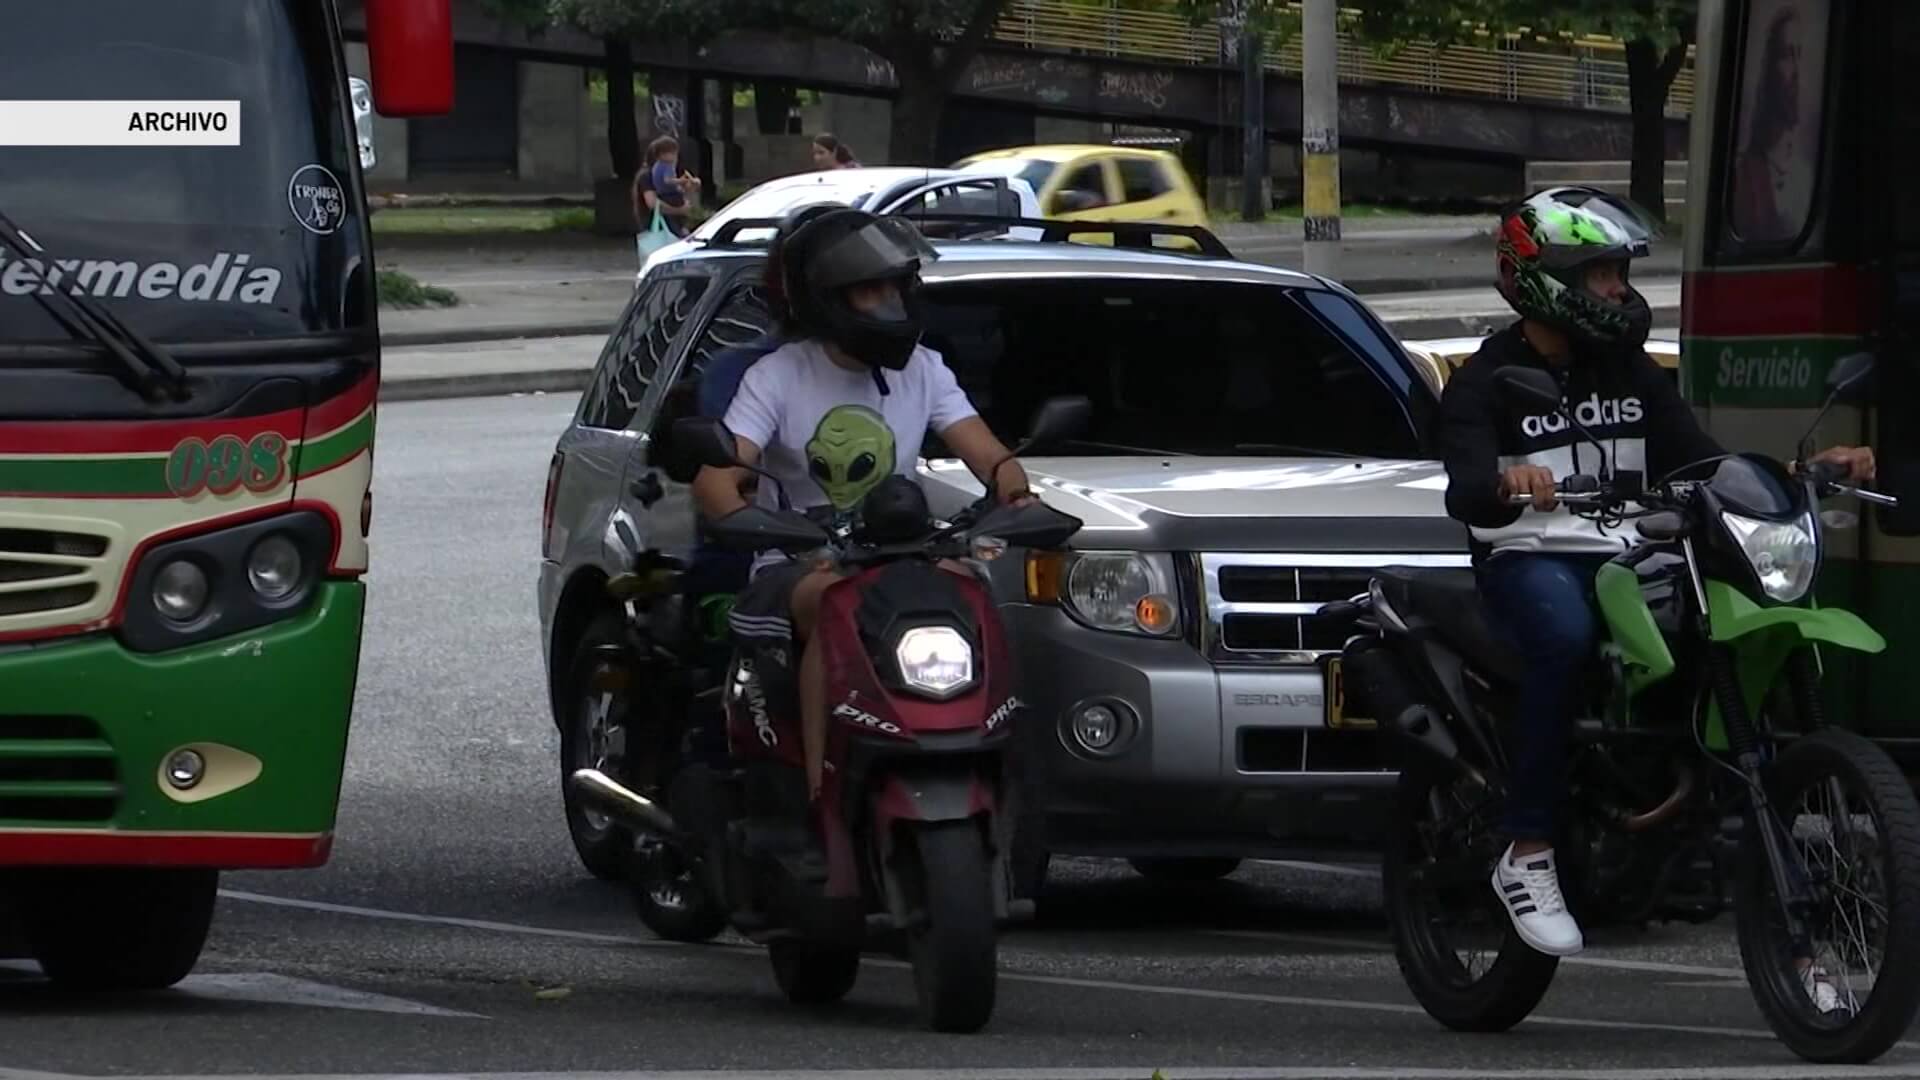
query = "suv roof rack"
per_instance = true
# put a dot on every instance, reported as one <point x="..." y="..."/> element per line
<point x="1128" y="234"/>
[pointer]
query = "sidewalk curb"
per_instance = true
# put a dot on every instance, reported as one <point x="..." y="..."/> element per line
<point x="494" y="384"/>
<point x="393" y="339"/>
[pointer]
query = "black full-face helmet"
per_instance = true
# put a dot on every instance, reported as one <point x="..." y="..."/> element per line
<point x="829" y="254"/>
<point x="1547" y="244"/>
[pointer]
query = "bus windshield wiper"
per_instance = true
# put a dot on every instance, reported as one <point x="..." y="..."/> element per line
<point x="152" y="370"/>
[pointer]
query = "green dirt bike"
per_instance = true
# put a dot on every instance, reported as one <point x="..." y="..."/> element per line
<point x="1703" y="776"/>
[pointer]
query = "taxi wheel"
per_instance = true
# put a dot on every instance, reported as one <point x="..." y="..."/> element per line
<point x="118" y="929"/>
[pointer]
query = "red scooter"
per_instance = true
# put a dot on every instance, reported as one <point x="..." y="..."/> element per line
<point x="910" y="834"/>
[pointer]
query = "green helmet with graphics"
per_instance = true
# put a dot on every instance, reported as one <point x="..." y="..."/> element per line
<point x="850" y="452"/>
<point x="1547" y="245"/>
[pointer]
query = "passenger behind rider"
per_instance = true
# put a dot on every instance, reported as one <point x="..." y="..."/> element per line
<point x="1563" y="257"/>
<point x="843" y="404"/>
<point x="717" y="574"/>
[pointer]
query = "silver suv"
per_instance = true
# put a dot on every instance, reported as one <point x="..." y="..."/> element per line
<point x="1256" y="448"/>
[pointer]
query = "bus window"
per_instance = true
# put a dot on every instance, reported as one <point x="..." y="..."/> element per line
<point x="1778" y="127"/>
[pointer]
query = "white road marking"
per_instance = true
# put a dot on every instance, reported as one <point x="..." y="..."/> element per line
<point x="269" y="989"/>
<point x="1136" y="1072"/>
<point x="439" y="920"/>
<point x="1608" y="963"/>
<point x="1059" y="980"/>
<point x="1370" y="872"/>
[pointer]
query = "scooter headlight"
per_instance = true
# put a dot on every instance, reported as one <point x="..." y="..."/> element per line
<point x="934" y="660"/>
<point x="1784" y="555"/>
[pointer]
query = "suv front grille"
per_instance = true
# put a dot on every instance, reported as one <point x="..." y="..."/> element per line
<point x="56" y="769"/>
<point x="1263" y="609"/>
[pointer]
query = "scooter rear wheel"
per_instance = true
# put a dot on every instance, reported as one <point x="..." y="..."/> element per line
<point x="955" y="965"/>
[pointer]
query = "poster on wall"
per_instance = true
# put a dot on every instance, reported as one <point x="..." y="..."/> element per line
<point x="1777" y="161"/>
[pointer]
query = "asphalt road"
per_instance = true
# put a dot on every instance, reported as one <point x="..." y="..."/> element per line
<point x="453" y="932"/>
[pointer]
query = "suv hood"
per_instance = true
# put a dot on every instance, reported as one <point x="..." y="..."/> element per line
<point x="1235" y="504"/>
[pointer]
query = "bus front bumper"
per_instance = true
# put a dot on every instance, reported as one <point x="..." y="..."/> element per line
<point x="100" y="747"/>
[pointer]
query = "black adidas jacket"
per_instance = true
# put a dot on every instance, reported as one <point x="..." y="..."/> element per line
<point x="1622" y="397"/>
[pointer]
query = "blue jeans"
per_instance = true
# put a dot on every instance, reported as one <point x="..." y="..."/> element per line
<point x="1544" y="605"/>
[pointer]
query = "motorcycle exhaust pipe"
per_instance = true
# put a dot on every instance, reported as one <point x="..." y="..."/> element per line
<point x="614" y="799"/>
<point x="1379" y="682"/>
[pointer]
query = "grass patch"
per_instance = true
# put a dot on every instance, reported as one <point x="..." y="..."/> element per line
<point x="399" y="289"/>
<point x="480" y="220"/>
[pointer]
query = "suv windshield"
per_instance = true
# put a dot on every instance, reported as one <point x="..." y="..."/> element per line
<point x="187" y="243"/>
<point x="1202" y="368"/>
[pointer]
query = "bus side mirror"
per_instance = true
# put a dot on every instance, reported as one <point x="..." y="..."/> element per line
<point x="410" y="51"/>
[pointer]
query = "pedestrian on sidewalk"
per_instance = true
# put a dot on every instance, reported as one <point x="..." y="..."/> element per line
<point x="830" y="153"/>
<point x="663" y="187"/>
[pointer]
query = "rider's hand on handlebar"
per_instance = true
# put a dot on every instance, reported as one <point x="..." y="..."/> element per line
<point x="1533" y="480"/>
<point x="1857" y="460"/>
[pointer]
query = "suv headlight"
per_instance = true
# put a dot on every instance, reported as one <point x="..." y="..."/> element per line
<point x="1127" y="592"/>
<point x="934" y="660"/>
<point x="1783" y="555"/>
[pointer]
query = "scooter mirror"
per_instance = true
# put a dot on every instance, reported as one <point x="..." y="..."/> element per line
<point x="703" y="440"/>
<point x="1527" y="386"/>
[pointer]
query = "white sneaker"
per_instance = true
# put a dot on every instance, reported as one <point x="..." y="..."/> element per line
<point x="1530" y="892"/>
<point x="1820" y="989"/>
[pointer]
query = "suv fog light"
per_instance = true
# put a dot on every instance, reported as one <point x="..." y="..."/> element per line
<point x="1095" y="727"/>
<point x="185" y="769"/>
<point x="180" y="590"/>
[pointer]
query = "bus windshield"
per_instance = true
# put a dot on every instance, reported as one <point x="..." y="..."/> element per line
<point x="186" y="243"/>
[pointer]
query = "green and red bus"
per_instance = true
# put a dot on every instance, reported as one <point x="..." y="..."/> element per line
<point x="1803" y="246"/>
<point x="189" y="361"/>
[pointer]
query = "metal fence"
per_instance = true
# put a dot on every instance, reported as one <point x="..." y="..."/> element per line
<point x="1584" y="72"/>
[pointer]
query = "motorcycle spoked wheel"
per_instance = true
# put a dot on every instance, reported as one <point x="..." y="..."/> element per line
<point x="1853" y="824"/>
<point x="1457" y="950"/>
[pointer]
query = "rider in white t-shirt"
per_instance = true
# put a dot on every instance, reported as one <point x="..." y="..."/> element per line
<point x="839" y="408"/>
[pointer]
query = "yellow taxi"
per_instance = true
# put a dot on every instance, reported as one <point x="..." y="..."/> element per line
<point x="1102" y="183"/>
<point x="1438" y="357"/>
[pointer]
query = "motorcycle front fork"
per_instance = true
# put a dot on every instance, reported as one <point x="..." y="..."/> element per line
<point x="1792" y="889"/>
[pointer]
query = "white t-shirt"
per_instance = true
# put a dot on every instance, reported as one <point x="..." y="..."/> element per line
<point x="827" y="433"/>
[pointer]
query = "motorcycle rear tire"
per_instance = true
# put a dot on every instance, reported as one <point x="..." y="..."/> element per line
<point x="955" y="962"/>
<point x="814" y="973"/>
<point x="1512" y="985"/>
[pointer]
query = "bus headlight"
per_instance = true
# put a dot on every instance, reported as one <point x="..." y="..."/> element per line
<point x="180" y="590"/>
<point x="273" y="567"/>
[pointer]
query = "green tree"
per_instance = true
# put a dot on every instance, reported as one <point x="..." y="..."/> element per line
<point x="1657" y="34"/>
<point x="929" y="43"/>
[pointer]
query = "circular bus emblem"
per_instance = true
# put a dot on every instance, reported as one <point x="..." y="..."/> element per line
<point x="317" y="199"/>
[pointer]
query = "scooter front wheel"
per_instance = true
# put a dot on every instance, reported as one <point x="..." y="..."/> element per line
<point x="955" y="963"/>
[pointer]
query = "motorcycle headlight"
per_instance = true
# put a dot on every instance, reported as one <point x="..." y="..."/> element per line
<point x="934" y="660"/>
<point x="1783" y="555"/>
<point x="1122" y="591"/>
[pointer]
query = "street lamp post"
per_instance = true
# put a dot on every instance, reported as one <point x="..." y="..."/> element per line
<point x="1320" y="136"/>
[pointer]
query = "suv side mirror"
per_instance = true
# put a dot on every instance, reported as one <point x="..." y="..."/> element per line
<point x="1058" y="418"/>
<point x="1528" y="386"/>
<point x="704" y="441"/>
